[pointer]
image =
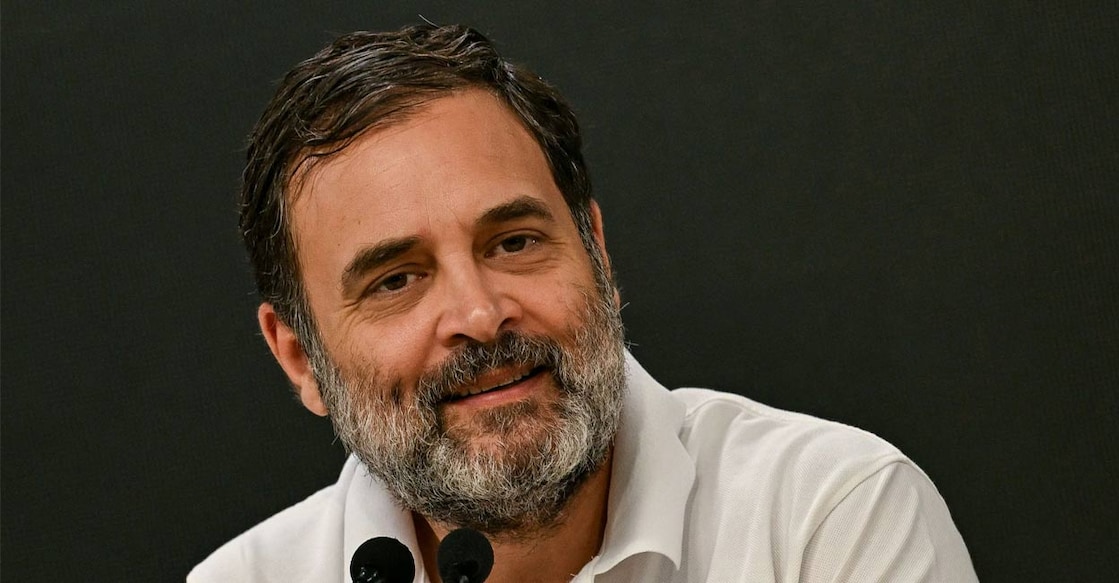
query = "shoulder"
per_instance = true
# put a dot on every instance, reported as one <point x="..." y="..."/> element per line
<point x="719" y="423"/>
<point x="786" y="493"/>
<point x="280" y="548"/>
<point x="778" y="461"/>
<point x="300" y="543"/>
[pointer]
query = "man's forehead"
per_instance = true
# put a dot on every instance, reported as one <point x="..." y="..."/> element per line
<point x="400" y="117"/>
<point x="465" y="151"/>
<point x="474" y="111"/>
<point x="308" y="165"/>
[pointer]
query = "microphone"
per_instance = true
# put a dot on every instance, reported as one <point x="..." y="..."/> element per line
<point x="382" y="560"/>
<point x="464" y="556"/>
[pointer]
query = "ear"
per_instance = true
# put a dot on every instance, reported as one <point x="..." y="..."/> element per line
<point x="289" y="353"/>
<point x="600" y="240"/>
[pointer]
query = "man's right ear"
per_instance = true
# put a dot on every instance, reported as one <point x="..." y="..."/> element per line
<point x="292" y="358"/>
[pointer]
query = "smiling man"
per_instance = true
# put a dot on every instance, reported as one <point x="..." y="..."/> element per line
<point x="461" y="311"/>
<point x="435" y="279"/>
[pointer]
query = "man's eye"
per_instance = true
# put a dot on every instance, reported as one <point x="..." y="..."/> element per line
<point x="516" y="243"/>
<point x="395" y="282"/>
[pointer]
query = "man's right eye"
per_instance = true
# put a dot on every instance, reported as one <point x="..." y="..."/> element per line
<point x="395" y="282"/>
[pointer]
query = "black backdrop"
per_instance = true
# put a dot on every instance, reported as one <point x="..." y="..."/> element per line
<point x="898" y="216"/>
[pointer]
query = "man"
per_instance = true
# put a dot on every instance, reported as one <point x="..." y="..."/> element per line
<point x="435" y="279"/>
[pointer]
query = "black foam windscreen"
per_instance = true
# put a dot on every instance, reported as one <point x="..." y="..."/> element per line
<point x="464" y="556"/>
<point x="382" y="560"/>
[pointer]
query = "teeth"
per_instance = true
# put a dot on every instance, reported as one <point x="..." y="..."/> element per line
<point x="479" y="390"/>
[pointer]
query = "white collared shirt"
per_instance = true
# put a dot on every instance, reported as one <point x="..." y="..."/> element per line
<point x="705" y="486"/>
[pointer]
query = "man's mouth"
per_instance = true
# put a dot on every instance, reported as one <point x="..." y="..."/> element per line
<point x="488" y="383"/>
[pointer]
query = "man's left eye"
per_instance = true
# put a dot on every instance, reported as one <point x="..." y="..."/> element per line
<point x="516" y="243"/>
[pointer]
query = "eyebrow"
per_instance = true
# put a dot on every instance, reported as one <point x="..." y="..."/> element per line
<point x="386" y="251"/>
<point x="373" y="257"/>
<point x="522" y="207"/>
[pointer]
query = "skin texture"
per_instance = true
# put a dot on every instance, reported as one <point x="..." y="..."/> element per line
<point x="443" y="229"/>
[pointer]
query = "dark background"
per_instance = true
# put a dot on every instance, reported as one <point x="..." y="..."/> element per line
<point x="898" y="216"/>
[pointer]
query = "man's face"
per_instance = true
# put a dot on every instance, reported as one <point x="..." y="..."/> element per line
<point x="473" y="357"/>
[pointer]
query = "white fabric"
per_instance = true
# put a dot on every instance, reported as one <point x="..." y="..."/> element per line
<point x="706" y="486"/>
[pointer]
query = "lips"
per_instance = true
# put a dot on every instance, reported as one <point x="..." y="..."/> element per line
<point x="494" y="382"/>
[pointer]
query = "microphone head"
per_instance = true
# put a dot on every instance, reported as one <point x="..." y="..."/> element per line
<point x="382" y="560"/>
<point x="464" y="553"/>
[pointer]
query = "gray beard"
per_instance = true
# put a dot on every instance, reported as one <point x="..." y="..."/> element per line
<point x="538" y="455"/>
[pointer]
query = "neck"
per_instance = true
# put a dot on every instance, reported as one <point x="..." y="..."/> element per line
<point x="555" y="553"/>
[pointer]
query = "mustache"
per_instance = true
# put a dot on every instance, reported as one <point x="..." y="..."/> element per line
<point x="474" y="359"/>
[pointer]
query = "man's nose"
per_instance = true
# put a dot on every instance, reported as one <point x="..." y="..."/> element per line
<point x="475" y="307"/>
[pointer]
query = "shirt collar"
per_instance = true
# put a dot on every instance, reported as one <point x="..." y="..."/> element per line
<point x="652" y="475"/>
<point x="372" y="512"/>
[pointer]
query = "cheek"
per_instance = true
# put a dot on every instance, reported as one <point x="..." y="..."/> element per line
<point x="400" y="349"/>
<point x="556" y="305"/>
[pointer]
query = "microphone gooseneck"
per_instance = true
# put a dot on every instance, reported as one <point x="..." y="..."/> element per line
<point x="464" y="556"/>
<point x="382" y="560"/>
